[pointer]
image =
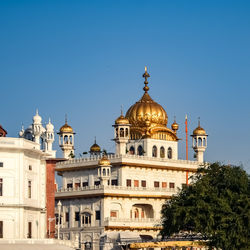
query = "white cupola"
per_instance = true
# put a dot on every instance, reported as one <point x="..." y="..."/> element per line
<point x="122" y="134"/>
<point x="199" y="142"/>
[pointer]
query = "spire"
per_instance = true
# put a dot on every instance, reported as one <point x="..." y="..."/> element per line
<point x="199" y="121"/>
<point x="66" y="119"/>
<point x="49" y="120"/>
<point x="121" y="110"/>
<point x="146" y="76"/>
<point x="175" y="119"/>
<point x="95" y="139"/>
<point x="37" y="112"/>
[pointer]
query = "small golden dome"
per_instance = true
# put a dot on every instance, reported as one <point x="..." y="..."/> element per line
<point x="66" y="129"/>
<point x="121" y="120"/>
<point x="199" y="130"/>
<point x="175" y="126"/>
<point x="95" y="147"/>
<point x="104" y="161"/>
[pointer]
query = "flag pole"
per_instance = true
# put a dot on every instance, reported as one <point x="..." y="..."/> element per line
<point x="186" y="130"/>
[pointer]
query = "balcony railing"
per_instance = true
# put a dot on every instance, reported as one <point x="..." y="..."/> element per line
<point x="128" y="156"/>
<point x="101" y="187"/>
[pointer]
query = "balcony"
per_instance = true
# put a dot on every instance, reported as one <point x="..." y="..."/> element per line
<point x="115" y="190"/>
<point x="120" y="222"/>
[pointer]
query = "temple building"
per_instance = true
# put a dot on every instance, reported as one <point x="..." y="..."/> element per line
<point x="121" y="194"/>
<point x="24" y="185"/>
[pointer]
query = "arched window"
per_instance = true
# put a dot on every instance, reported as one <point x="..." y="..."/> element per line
<point x="162" y="152"/>
<point x="199" y="142"/>
<point x="126" y="133"/>
<point x="86" y="218"/>
<point x="116" y="132"/>
<point x="132" y="150"/>
<point x="140" y="150"/>
<point x="154" y="151"/>
<point x="104" y="172"/>
<point x="66" y="139"/>
<point x="121" y="132"/>
<point x="70" y="139"/>
<point x="204" y="142"/>
<point x="195" y="142"/>
<point x="170" y="153"/>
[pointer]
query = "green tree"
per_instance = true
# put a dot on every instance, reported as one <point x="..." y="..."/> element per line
<point x="217" y="205"/>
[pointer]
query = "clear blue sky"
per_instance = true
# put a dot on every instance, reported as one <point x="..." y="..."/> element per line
<point x="86" y="58"/>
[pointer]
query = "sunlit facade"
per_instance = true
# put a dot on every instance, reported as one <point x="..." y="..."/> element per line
<point x="119" y="194"/>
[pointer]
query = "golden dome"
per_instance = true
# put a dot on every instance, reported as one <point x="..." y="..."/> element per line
<point x="66" y="128"/>
<point x="95" y="147"/>
<point x="199" y="130"/>
<point x="148" y="119"/>
<point x="147" y="112"/>
<point x="104" y="161"/>
<point x="121" y="120"/>
<point x="175" y="126"/>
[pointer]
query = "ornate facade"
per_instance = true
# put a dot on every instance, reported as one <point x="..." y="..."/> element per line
<point x="121" y="194"/>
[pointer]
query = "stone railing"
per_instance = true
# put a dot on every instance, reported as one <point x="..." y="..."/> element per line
<point x="124" y="157"/>
<point x="101" y="187"/>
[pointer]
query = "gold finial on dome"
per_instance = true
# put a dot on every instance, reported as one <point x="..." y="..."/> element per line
<point x="104" y="161"/>
<point x="199" y="130"/>
<point x="146" y="76"/>
<point x="175" y="125"/>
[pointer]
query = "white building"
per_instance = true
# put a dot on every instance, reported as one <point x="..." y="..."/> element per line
<point x="124" y="192"/>
<point x="23" y="181"/>
<point x="22" y="189"/>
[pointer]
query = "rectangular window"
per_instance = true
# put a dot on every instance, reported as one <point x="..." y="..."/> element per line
<point x="77" y="185"/>
<point x="1" y="229"/>
<point x="164" y="184"/>
<point x="143" y="184"/>
<point x="97" y="215"/>
<point x="114" y="182"/>
<point x="97" y="183"/>
<point x="77" y="216"/>
<point x="69" y="185"/>
<point x="128" y="183"/>
<point x="156" y="184"/>
<point x="85" y="184"/>
<point x="171" y="184"/>
<point x="30" y="167"/>
<point x="29" y="230"/>
<point x="1" y="164"/>
<point x="29" y="189"/>
<point x="67" y="216"/>
<point x="86" y="218"/>
<point x="1" y="187"/>
<point x="113" y="214"/>
<point x="136" y="183"/>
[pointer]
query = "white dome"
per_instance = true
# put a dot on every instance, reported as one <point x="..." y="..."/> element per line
<point x="37" y="118"/>
<point x="50" y="127"/>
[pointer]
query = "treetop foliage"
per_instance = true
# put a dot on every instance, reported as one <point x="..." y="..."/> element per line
<point x="216" y="204"/>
